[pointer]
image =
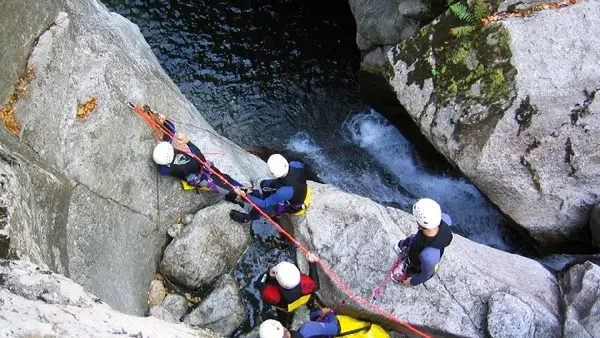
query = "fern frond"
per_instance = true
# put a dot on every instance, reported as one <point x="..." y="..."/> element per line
<point x="462" y="12"/>
<point x="462" y="31"/>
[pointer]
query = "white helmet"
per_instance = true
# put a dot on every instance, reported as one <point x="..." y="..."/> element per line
<point x="428" y="213"/>
<point x="163" y="153"/>
<point x="278" y="165"/>
<point x="271" y="328"/>
<point x="287" y="275"/>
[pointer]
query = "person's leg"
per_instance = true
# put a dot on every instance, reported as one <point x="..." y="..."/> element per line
<point x="285" y="318"/>
<point x="252" y="215"/>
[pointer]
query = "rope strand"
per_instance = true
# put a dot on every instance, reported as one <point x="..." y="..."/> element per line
<point x="291" y="238"/>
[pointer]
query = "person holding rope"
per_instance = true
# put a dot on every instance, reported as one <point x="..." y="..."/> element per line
<point x="424" y="250"/>
<point x="285" y="194"/>
<point x="284" y="287"/>
<point x="323" y="323"/>
<point x="172" y="155"/>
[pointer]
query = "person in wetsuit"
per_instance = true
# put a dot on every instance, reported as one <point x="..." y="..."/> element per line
<point x="424" y="250"/>
<point x="282" y="195"/>
<point x="173" y="157"/>
<point x="284" y="287"/>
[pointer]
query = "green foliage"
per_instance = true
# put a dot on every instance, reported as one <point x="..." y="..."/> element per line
<point x="471" y="17"/>
<point x="481" y="10"/>
<point x="462" y="31"/>
<point x="463" y="13"/>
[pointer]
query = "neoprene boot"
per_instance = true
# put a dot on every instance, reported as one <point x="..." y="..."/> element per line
<point x="239" y="216"/>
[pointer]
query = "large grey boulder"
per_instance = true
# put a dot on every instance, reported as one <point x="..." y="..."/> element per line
<point x="206" y="248"/>
<point x="120" y="208"/>
<point x="384" y="22"/>
<point x="354" y="237"/>
<point x="581" y="297"/>
<point x="509" y="317"/>
<point x="222" y="311"/>
<point x="38" y="303"/>
<point x="33" y="203"/>
<point x="513" y="106"/>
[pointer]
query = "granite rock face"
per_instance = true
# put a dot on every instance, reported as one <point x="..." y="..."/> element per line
<point x="514" y="106"/>
<point x="354" y="236"/>
<point x="581" y="297"/>
<point x="35" y="302"/>
<point x="103" y="211"/>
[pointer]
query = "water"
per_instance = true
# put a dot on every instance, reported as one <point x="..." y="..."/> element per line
<point x="284" y="75"/>
<point x="393" y="172"/>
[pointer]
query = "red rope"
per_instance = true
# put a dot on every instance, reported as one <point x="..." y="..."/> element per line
<point x="327" y="270"/>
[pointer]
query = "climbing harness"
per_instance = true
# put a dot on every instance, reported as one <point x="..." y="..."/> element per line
<point x="325" y="268"/>
<point x="297" y="210"/>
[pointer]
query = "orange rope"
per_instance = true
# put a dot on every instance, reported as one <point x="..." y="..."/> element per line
<point x="327" y="270"/>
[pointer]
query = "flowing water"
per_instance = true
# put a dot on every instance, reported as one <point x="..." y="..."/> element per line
<point x="284" y="75"/>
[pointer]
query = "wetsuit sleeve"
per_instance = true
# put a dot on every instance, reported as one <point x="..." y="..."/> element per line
<point x="429" y="258"/>
<point x="447" y="219"/>
<point x="164" y="170"/>
<point x="266" y="183"/>
<point x="314" y="274"/>
<point x="315" y="314"/>
<point x="196" y="151"/>
<point x="296" y="164"/>
<point x="405" y="242"/>
<point x="282" y="194"/>
<point x="328" y="327"/>
<point x="171" y="128"/>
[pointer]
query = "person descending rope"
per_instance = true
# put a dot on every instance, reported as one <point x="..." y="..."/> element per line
<point x="172" y="157"/>
<point x="287" y="193"/>
<point x="424" y="250"/>
<point x="284" y="287"/>
<point x="323" y="323"/>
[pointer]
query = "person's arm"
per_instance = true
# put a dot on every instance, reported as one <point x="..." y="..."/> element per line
<point x="315" y="314"/>
<point x="405" y="242"/>
<point x="196" y="151"/>
<point x="429" y="258"/>
<point x="266" y="183"/>
<point x="313" y="274"/>
<point x="327" y="327"/>
<point x="164" y="170"/>
<point x="171" y="128"/>
<point x="447" y="219"/>
<point x="282" y="194"/>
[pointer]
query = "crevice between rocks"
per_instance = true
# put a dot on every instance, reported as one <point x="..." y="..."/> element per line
<point x="459" y="304"/>
<point x="112" y="200"/>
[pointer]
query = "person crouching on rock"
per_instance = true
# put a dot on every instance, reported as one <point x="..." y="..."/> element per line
<point x="323" y="323"/>
<point x="285" y="194"/>
<point x="424" y="250"/>
<point x="284" y="287"/>
<point x="173" y="158"/>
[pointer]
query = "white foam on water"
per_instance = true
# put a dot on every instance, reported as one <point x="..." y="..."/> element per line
<point x="392" y="154"/>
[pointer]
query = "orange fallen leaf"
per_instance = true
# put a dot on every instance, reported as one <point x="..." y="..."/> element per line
<point x="86" y="108"/>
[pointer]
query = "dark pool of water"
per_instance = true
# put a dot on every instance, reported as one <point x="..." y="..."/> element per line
<point x="257" y="70"/>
